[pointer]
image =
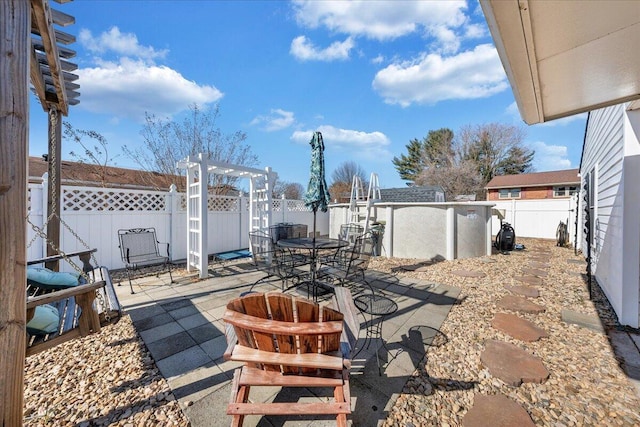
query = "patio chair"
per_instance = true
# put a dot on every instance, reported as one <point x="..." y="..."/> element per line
<point x="139" y="248"/>
<point x="348" y="267"/>
<point x="274" y="261"/>
<point x="349" y="233"/>
<point x="287" y="342"/>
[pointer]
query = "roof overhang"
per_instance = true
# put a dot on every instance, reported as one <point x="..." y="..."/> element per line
<point x="567" y="57"/>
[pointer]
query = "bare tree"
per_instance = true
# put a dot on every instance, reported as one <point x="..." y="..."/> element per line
<point x="496" y="149"/>
<point x="345" y="172"/>
<point x="167" y="141"/>
<point x="94" y="154"/>
<point x="342" y="177"/>
<point x="459" y="177"/>
<point x="290" y="190"/>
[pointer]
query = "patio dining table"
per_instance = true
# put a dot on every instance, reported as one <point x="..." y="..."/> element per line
<point x="313" y="245"/>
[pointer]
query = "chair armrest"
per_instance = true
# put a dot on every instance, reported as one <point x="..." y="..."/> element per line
<point x="63" y="294"/>
<point x="84" y="256"/>
<point x="168" y="253"/>
<point x="232" y="340"/>
<point x="241" y="353"/>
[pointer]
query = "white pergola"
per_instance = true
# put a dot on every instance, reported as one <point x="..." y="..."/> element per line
<point x="260" y="202"/>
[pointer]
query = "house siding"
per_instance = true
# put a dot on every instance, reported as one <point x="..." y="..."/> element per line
<point x="615" y="260"/>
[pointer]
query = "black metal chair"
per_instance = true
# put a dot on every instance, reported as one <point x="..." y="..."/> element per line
<point x="274" y="261"/>
<point x="349" y="267"/>
<point x="139" y="248"/>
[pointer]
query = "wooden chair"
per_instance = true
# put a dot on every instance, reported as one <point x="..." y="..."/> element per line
<point x="288" y="342"/>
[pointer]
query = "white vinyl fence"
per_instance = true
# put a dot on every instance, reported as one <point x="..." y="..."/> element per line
<point x="537" y="218"/>
<point x="92" y="216"/>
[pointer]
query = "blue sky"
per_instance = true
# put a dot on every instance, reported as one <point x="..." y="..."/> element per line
<point x="370" y="76"/>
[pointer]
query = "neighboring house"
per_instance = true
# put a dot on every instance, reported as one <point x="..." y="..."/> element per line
<point x="417" y="194"/>
<point x="86" y="174"/>
<point x="535" y="203"/>
<point x="539" y="185"/>
<point x="610" y="171"/>
<point x="92" y="175"/>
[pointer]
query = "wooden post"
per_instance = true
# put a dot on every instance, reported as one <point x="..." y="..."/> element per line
<point x="15" y="28"/>
<point x="54" y="188"/>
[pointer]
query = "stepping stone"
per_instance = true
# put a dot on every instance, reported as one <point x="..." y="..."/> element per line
<point x="518" y="327"/>
<point x="531" y="280"/>
<point x="584" y="320"/>
<point x="534" y="272"/>
<point x="540" y="259"/>
<point x="576" y="261"/>
<point x="536" y="264"/>
<point x="525" y="291"/>
<point x="516" y="303"/>
<point x="488" y="260"/>
<point x="468" y="273"/>
<point x="497" y="411"/>
<point x="511" y="364"/>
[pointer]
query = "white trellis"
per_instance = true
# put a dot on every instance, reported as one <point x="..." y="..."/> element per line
<point x="198" y="170"/>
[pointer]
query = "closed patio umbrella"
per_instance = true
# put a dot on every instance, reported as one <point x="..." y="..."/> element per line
<point x="317" y="195"/>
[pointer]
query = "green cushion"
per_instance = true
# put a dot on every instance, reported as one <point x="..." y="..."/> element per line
<point x="48" y="279"/>
<point x="45" y="320"/>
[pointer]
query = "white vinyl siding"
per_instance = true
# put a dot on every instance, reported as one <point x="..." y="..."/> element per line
<point x="603" y="161"/>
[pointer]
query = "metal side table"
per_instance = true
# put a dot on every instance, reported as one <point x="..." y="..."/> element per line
<point x="375" y="306"/>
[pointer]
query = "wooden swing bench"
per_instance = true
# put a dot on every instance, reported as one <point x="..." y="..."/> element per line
<point x="290" y="342"/>
<point x="62" y="313"/>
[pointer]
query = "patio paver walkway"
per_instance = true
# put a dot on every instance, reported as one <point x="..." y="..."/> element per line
<point x="181" y="325"/>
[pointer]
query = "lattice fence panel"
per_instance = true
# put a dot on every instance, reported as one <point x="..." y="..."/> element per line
<point x="106" y="200"/>
<point x="277" y="205"/>
<point x="29" y="199"/>
<point x="182" y="202"/>
<point x="223" y="204"/>
<point x="296" y="206"/>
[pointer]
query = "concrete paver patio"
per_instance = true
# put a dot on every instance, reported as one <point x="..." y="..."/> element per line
<point x="181" y="325"/>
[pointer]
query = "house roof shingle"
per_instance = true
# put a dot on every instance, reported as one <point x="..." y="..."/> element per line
<point x="75" y="173"/>
<point x="568" y="176"/>
<point x="425" y="193"/>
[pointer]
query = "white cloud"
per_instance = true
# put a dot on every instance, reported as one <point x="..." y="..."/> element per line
<point x="378" y="59"/>
<point x="550" y="157"/>
<point x="370" y="145"/>
<point x="380" y="20"/>
<point x="277" y="119"/>
<point x="303" y="49"/>
<point x="124" y="44"/>
<point x="477" y="73"/>
<point x="129" y="88"/>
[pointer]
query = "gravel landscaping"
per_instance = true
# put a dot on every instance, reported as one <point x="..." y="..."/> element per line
<point x="110" y="378"/>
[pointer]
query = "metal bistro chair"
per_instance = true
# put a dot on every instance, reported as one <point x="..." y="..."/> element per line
<point x="349" y="269"/>
<point x="276" y="262"/>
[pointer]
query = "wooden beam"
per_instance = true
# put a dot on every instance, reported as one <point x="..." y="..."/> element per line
<point x="62" y="51"/>
<point x="62" y="19"/>
<point x="65" y="65"/>
<point x="15" y="16"/>
<point x="44" y="23"/>
<point x="37" y="79"/>
<point x="59" y="36"/>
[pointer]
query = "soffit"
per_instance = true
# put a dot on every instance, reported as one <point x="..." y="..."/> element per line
<point x="567" y="57"/>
